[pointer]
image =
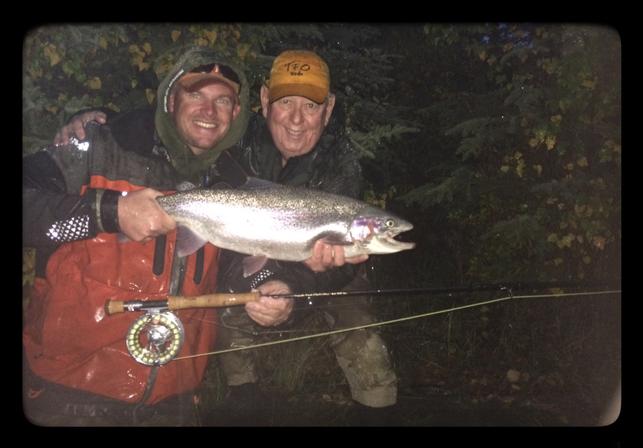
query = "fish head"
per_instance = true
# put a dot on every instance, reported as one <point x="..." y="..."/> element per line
<point x="375" y="234"/>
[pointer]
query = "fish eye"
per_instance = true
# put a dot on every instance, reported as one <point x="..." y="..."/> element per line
<point x="389" y="223"/>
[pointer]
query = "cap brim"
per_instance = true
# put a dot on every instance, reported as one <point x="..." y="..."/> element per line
<point x="196" y="81"/>
<point x="315" y="93"/>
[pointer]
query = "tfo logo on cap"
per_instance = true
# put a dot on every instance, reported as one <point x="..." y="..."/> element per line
<point x="296" y="68"/>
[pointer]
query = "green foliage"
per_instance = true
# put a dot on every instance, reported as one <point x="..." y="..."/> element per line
<point x="540" y="139"/>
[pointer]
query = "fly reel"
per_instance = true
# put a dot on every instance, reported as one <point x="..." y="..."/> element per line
<point x="155" y="338"/>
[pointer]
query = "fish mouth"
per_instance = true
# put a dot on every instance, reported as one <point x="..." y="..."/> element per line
<point x="385" y="243"/>
<point x="389" y="243"/>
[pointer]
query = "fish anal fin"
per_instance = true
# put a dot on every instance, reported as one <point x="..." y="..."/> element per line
<point x="253" y="264"/>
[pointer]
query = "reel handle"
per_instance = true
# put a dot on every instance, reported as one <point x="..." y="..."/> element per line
<point x="218" y="300"/>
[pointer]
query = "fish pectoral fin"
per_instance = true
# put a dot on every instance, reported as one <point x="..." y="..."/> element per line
<point x="253" y="264"/>
<point x="187" y="242"/>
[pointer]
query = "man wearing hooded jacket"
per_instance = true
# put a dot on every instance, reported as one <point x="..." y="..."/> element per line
<point x="77" y="198"/>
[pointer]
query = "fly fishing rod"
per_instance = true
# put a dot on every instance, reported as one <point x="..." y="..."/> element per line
<point x="220" y="300"/>
<point x="157" y="337"/>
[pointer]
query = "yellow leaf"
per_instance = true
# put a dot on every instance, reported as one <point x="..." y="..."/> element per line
<point x="556" y="119"/>
<point x="135" y="50"/>
<point x="504" y="168"/>
<point x="113" y="107"/>
<point x="520" y="167"/>
<point x="569" y="166"/>
<point x="102" y="42"/>
<point x="589" y="83"/>
<point x="482" y="55"/>
<point x="134" y="83"/>
<point x="53" y="109"/>
<point x="94" y="83"/>
<point x="552" y="238"/>
<point x="599" y="242"/>
<point x="35" y="73"/>
<point x="582" y="162"/>
<point x="52" y="54"/>
<point x="175" y="35"/>
<point x="538" y="169"/>
<point x="147" y="47"/>
<point x="150" y="94"/>
<point x="242" y="50"/>
<point x="201" y="42"/>
<point x="550" y="141"/>
<point x="533" y="142"/>
<point x="211" y="36"/>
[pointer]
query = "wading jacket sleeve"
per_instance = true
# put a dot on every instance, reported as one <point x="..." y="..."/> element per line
<point x="70" y="196"/>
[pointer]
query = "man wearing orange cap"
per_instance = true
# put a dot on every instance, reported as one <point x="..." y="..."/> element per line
<point x="294" y="141"/>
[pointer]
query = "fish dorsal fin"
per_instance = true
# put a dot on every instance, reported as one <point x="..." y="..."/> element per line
<point x="254" y="183"/>
<point x="187" y="242"/>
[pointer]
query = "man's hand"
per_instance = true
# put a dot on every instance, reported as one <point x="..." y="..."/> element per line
<point x="326" y="256"/>
<point x="76" y="127"/>
<point x="141" y="218"/>
<point x="268" y="311"/>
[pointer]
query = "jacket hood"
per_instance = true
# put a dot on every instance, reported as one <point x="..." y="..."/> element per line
<point x="186" y="163"/>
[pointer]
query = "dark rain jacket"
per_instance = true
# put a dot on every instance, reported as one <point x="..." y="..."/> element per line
<point x="70" y="196"/>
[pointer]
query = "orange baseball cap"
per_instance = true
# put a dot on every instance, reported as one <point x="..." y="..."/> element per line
<point x="299" y="73"/>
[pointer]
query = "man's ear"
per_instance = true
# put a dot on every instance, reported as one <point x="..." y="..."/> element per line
<point x="265" y="100"/>
<point x="330" y="105"/>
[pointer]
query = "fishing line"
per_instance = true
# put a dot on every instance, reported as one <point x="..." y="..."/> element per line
<point x="407" y="318"/>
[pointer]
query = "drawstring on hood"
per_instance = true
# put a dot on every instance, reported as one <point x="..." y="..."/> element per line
<point x="187" y="164"/>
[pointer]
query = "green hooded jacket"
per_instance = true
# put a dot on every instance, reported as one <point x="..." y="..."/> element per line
<point x="186" y="163"/>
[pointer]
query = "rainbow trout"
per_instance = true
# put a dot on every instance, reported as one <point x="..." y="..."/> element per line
<point x="268" y="220"/>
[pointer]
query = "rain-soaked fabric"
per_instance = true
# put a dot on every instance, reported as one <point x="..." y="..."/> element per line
<point x="68" y="338"/>
<point x="361" y="354"/>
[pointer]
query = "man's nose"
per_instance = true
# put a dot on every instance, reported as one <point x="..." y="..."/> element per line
<point x="296" y="116"/>
<point x="210" y="108"/>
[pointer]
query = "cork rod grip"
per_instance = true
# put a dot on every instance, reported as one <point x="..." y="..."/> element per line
<point x="211" y="300"/>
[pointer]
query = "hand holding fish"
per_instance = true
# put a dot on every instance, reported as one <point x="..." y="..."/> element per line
<point x="141" y="218"/>
<point x="326" y="256"/>
<point x="269" y="311"/>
